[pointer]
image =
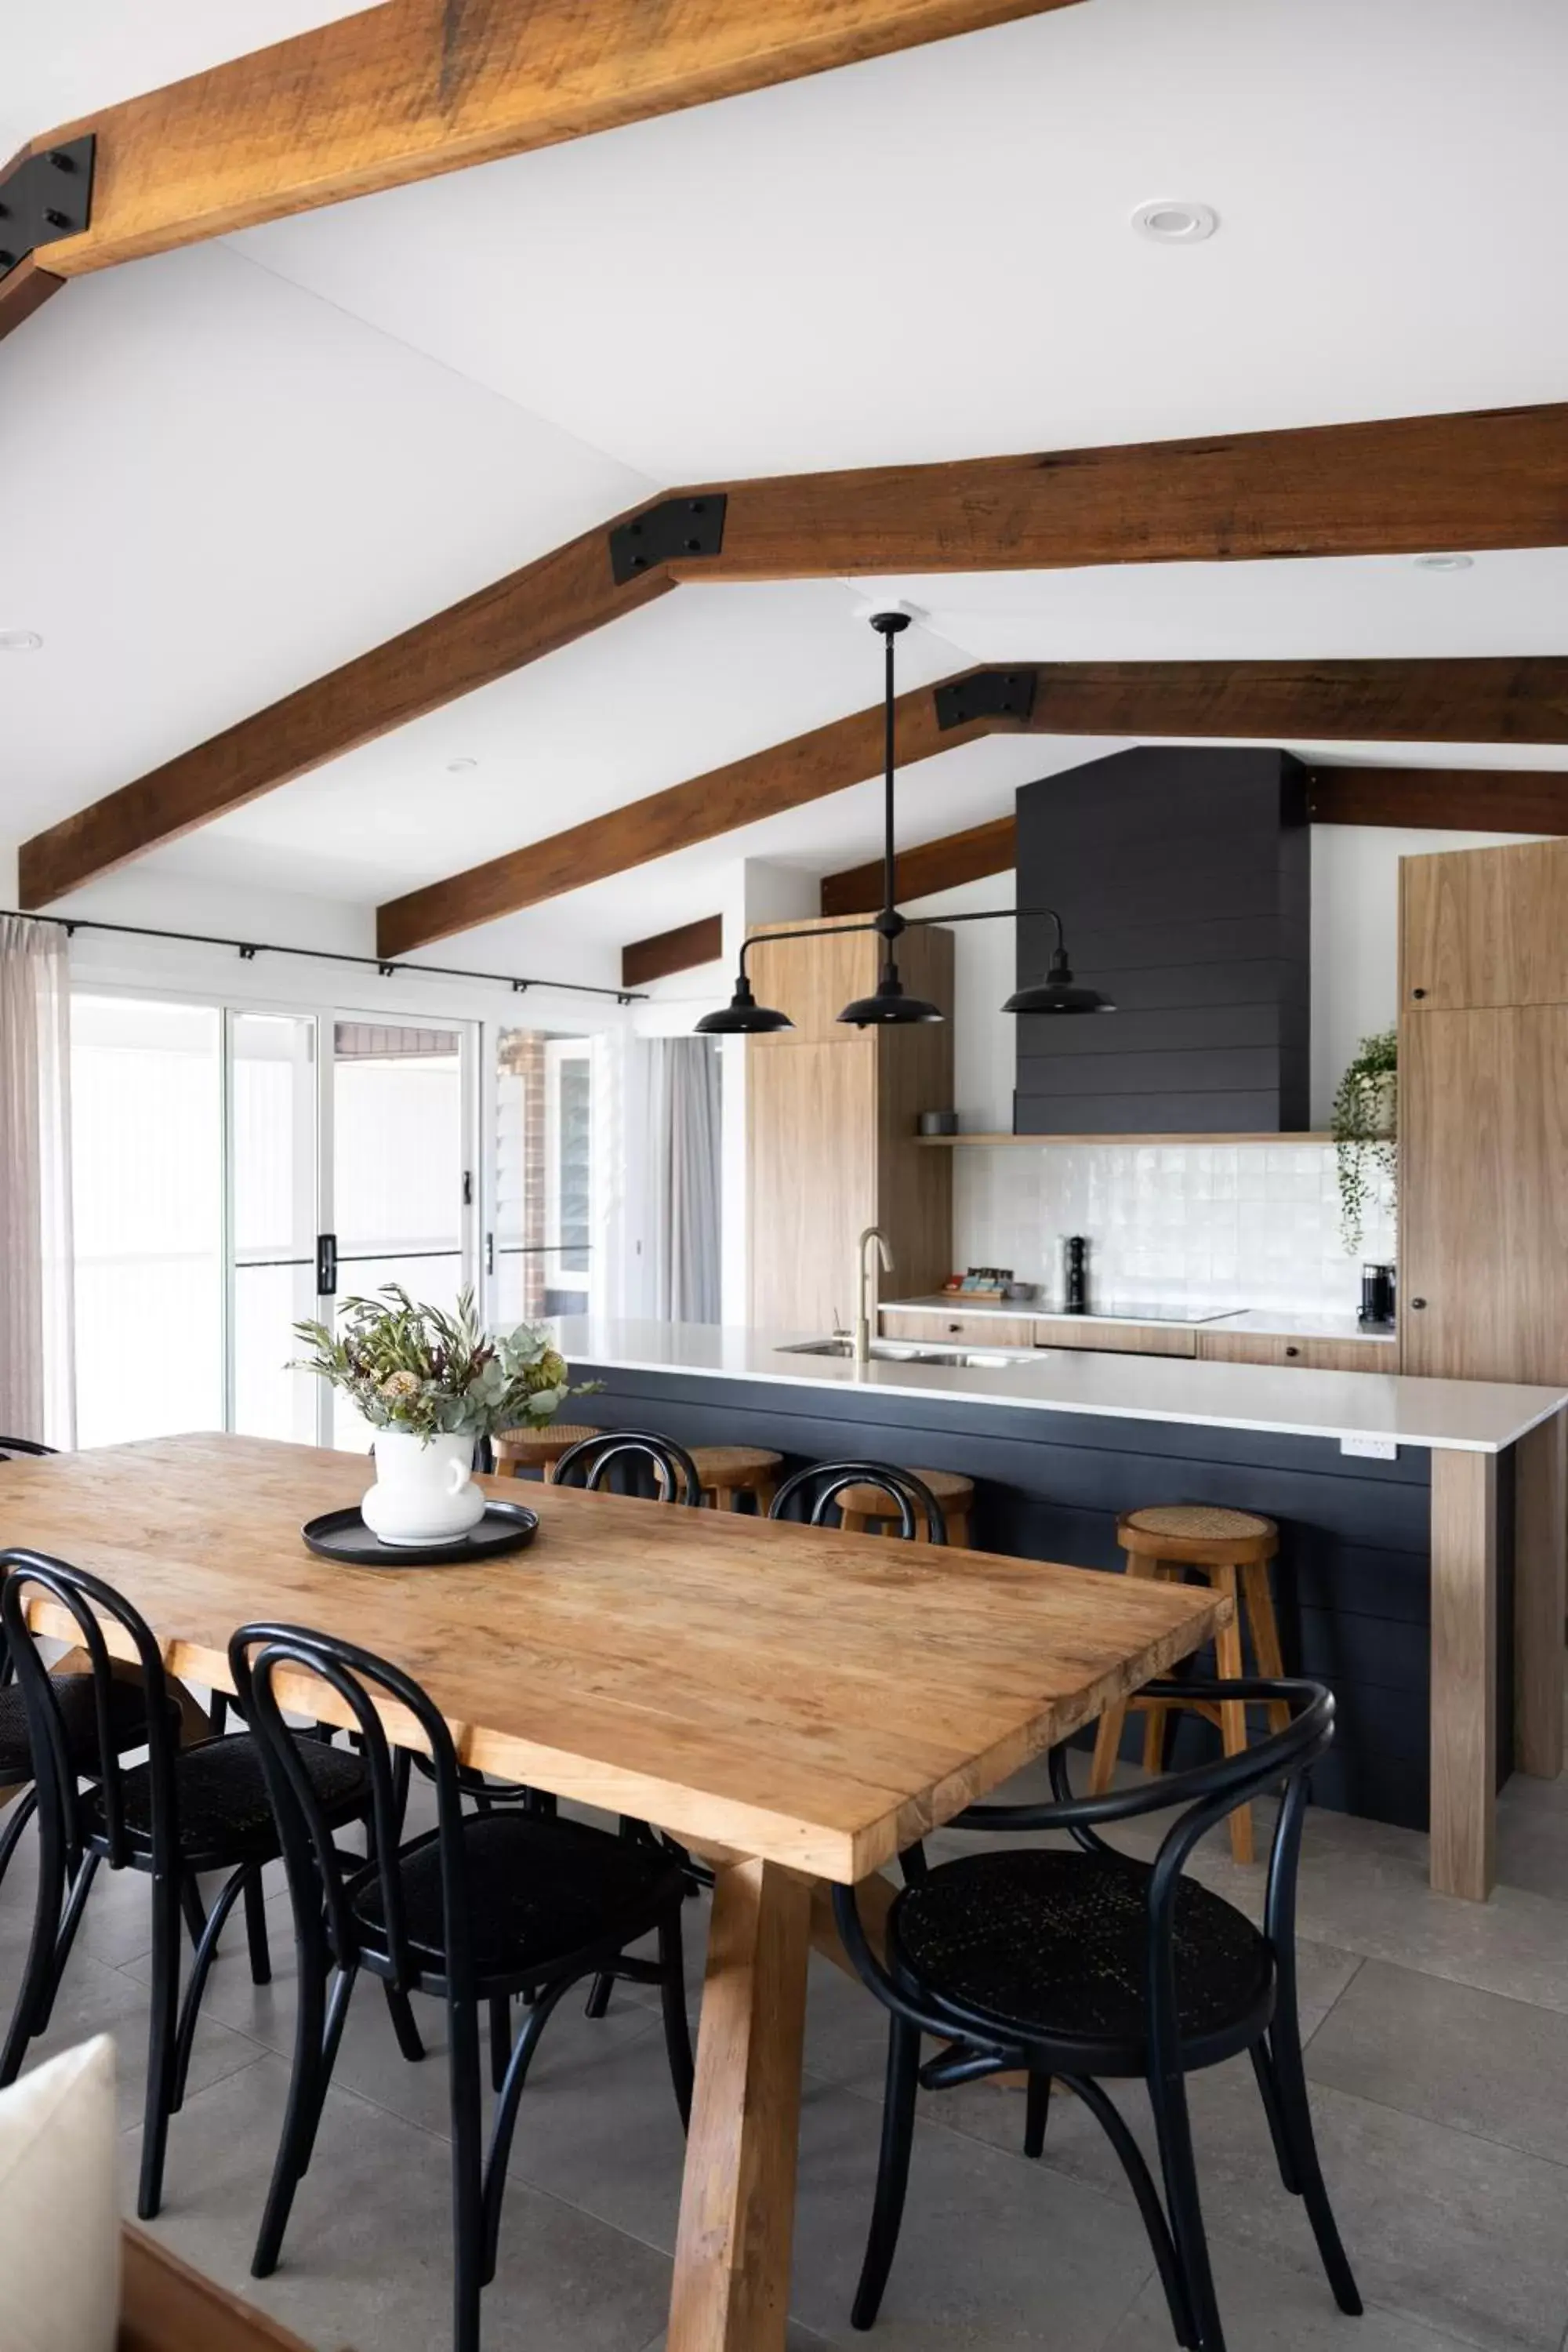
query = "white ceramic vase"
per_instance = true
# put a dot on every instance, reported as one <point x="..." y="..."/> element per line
<point x="424" y="1491"/>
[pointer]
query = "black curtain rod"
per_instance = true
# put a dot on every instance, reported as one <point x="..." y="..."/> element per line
<point x="248" y="950"/>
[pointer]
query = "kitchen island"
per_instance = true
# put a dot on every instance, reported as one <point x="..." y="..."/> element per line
<point x="1421" y="1521"/>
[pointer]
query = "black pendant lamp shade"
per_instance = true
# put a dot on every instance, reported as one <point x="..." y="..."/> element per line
<point x="1058" y="992"/>
<point x="743" y="1016"/>
<point x="889" y="1007"/>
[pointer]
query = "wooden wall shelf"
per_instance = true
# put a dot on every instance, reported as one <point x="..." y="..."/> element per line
<point x="1044" y="1142"/>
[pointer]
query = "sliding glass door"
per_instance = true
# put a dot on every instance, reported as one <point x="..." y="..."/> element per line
<point x="239" y="1169"/>
<point x="274" y="1189"/>
<point x="401" y="1186"/>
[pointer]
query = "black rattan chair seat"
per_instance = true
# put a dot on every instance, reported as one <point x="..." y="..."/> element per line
<point x="539" y="1891"/>
<point x="74" y="1696"/>
<point x="224" y="1811"/>
<point x="1054" y="1946"/>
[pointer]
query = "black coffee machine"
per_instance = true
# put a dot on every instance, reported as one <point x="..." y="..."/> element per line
<point x="1379" y="1298"/>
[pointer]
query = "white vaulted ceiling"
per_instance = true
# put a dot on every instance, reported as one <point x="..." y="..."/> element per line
<point x="229" y="468"/>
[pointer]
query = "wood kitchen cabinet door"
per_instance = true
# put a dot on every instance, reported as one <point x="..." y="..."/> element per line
<point x="1484" y="1193"/>
<point x="811" y="1114"/>
<point x="1480" y="927"/>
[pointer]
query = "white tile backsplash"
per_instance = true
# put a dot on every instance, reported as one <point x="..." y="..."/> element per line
<point x="1226" y="1225"/>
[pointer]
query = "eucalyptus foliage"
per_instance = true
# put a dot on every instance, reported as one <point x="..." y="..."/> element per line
<point x="423" y="1371"/>
<point x="1365" y="1117"/>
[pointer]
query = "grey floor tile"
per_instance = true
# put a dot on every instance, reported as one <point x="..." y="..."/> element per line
<point x="98" y="2000"/>
<point x="367" y="2262"/>
<point x="1471" y="2060"/>
<point x="1455" y="2231"/>
<point x="1458" y="2232"/>
<point x="1267" y="2309"/>
<point x="997" y="2256"/>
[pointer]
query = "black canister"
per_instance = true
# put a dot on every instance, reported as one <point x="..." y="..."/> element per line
<point x="1075" y="1285"/>
<point x="1378" y="1297"/>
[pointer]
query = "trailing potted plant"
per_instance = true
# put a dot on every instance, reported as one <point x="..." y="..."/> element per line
<point x="431" y="1384"/>
<point x="1366" y="1120"/>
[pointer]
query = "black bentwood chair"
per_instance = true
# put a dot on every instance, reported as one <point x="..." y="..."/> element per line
<point x="182" y="1812"/>
<point x="480" y="1908"/>
<point x="616" y="1454"/>
<point x="1090" y="1964"/>
<point x="819" y="1486"/>
<point x="30" y="1446"/>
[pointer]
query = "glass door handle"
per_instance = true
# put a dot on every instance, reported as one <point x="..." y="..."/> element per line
<point x="326" y="1266"/>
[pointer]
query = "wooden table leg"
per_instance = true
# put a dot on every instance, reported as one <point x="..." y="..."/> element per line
<point x="737" y="2201"/>
<point x="1463" y="1802"/>
<point x="1540" y="1527"/>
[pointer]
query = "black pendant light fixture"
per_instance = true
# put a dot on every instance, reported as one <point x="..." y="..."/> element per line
<point x="888" y="1006"/>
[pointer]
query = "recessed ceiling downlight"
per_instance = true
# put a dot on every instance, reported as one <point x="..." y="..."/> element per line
<point x="1172" y="220"/>
<point x="19" y="641"/>
<point x="460" y="767"/>
<point x="1444" y="563"/>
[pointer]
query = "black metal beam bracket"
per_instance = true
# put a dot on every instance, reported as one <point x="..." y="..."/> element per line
<point x="985" y="694"/>
<point x="46" y="197"/>
<point x="676" y="527"/>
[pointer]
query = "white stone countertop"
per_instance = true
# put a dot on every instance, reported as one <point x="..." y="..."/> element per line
<point x="1468" y="1416"/>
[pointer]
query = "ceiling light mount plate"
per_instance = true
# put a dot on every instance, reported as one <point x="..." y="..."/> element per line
<point x="663" y="534"/>
<point x="43" y="198"/>
<point x="1175" y="220"/>
<point x="985" y="694"/>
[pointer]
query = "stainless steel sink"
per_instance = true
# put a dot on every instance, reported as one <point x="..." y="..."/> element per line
<point x="909" y="1351"/>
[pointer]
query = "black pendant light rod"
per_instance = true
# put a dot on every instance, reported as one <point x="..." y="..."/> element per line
<point x="890" y="625"/>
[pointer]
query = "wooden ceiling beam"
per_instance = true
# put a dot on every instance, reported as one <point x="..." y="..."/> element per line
<point x="1496" y="700"/>
<point x="1399" y="486"/>
<point x="1489" y="700"/>
<point x="682" y="949"/>
<point x="23" y="290"/>
<point x="1494" y="479"/>
<point x="547" y="604"/>
<point x="415" y="88"/>
<point x="1457" y="800"/>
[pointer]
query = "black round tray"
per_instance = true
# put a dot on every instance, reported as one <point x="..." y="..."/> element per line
<point x="344" y="1534"/>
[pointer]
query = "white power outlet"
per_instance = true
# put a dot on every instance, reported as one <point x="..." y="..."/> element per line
<point x="1371" y="1449"/>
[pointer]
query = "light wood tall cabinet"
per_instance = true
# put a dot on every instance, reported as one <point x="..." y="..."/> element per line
<point x="831" y="1116"/>
<point x="1483" y="1151"/>
<point x="1483" y="1086"/>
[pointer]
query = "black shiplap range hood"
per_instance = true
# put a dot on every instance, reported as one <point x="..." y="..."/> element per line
<point x="1183" y="876"/>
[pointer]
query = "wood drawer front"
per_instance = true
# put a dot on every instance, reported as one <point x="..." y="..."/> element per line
<point x="1305" y="1354"/>
<point x="1116" y="1338"/>
<point x="971" y="1330"/>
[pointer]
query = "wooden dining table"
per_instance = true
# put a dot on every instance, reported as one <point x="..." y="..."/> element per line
<point x="795" y="1702"/>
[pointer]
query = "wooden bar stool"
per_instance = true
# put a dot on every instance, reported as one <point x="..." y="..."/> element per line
<point x="866" y="1506"/>
<point x="727" y="1471"/>
<point x="518" y="1450"/>
<point x="1231" y="1550"/>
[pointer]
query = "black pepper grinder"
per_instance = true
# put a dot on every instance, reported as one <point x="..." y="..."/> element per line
<point x="1076" y="1287"/>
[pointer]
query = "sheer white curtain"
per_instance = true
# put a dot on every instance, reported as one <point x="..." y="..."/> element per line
<point x="694" y="1179"/>
<point x="665" y="1192"/>
<point x="37" y="1372"/>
